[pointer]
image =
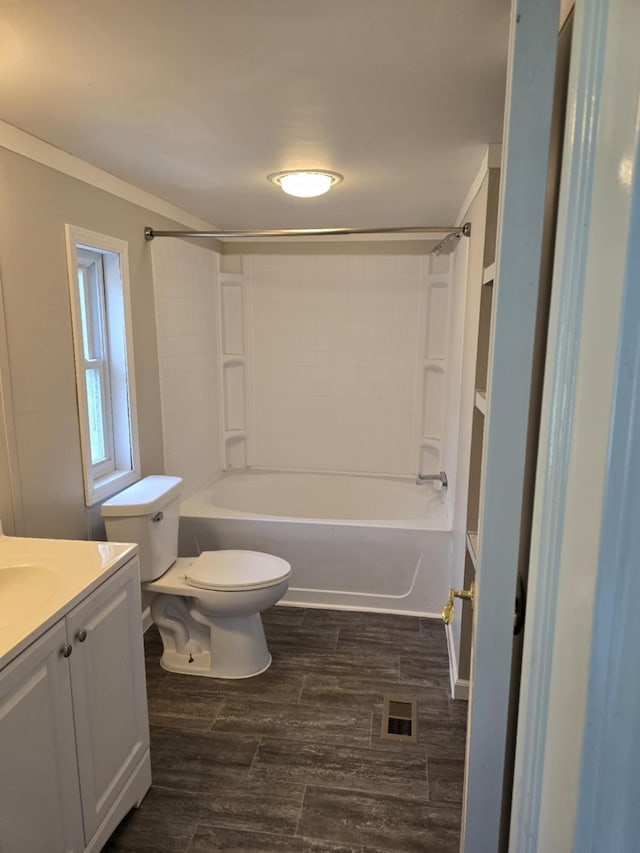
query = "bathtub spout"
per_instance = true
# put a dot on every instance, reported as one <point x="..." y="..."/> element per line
<point x="432" y="478"/>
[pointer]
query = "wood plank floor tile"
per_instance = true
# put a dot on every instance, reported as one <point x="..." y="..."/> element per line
<point x="199" y="761"/>
<point x="361" y="619"/>
<point x="269" y="686"/>
<point x="301" y="660"/>
<point x="283" y="615"/>
<point x="402" y="774"/>
<point x="378" y="820"/>
<point x="376" y="640"/>
<point x="444" y="739"/>
<point x="446" y="780"/>
<point x="254" y="804"/>
<point x="358" y="692"/>
<point x="431" y="626"/>
<point x="213" y="839"/>
<point x="164" y="823"/>
<point x="338" y="726"/>
<point x="172" y="706"/>
<point x="282" y="638"/>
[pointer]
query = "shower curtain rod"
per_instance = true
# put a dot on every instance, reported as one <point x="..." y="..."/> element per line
<point x="449" y="230"/>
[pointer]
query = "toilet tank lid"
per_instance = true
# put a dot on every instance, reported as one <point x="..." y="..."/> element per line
<point x="143" y="498"/>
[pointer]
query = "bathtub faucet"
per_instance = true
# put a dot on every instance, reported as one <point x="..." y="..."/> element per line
<point x="432" y="478"/>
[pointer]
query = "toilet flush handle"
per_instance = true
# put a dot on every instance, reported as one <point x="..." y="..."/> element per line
<point x="158" y="516"/>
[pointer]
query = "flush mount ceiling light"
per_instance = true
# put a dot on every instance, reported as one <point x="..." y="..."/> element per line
<point x="305" y="183"/>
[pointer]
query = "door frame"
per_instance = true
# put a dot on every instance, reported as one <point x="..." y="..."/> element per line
<point x="559" y="755"/>
<point x="523" y="189"/>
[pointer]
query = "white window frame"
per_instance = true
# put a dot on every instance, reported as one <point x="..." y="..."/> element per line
<point x="107" y="258"/>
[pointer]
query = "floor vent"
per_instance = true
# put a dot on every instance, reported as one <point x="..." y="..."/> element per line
<point x="400" y="719"/>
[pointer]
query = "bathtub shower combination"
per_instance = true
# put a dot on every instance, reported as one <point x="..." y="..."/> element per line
<point x="354" y="542"/>
<point x="340" y="362"/>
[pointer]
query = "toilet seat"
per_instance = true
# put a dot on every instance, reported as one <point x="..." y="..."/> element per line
<point x="236" y="570"/>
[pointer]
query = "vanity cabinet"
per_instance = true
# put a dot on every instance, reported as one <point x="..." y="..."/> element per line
<point x="74" y="737"/>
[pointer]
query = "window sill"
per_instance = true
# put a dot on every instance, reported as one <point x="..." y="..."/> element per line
<point x="107" y="486"/>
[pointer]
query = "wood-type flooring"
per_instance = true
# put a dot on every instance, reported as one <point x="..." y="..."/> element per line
<point x="292" y="760"/>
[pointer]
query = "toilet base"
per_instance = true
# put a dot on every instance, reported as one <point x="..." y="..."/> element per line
<point x="209" y="632"/>
<point x="218" y="646"/>
<point x="200" y="664"/>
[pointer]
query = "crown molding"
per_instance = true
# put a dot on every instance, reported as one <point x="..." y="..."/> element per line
<point x="20" y="142"/>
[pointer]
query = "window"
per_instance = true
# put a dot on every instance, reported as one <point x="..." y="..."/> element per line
<point x="99" y="290"/>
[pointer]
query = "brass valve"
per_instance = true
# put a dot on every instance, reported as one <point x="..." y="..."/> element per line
<point x="448" y="611"/>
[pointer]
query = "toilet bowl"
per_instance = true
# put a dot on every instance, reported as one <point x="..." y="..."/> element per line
<point x="208" y="612"/>
<point x="207" y="608"/>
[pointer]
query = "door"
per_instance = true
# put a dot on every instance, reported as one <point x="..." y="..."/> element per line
<point x="578" y="757"/>
<point x="109" y="693"/>
<point x="529" y="107"/>
<point x="39" y="795"/>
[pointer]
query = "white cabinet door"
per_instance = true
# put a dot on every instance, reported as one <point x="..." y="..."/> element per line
<point x="109" y="694"/>
<point x="39" y="794"/>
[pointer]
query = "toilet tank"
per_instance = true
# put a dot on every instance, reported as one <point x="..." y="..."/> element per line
<point x="147" y="513"/>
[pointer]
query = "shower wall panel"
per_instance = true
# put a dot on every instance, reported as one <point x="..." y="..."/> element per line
<point x="339" y="345"/>
<point x="235" y="360"/>
<point x="186" y="318"/>
<point x="433" y="424"/>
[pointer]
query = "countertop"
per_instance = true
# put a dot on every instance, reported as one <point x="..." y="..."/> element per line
<point x="43" y="579"/>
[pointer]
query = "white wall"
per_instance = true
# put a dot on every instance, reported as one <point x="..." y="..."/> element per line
<point x="184" y="277"/>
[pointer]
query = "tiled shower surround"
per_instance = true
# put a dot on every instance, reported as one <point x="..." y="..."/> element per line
<point x="343" y="364"/>
<point x="334" y="353"/>
<point x="185" y="299"/>
<point x="330" y="362"/>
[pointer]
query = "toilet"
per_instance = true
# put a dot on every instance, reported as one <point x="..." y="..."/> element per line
<point x="207" y="608"/>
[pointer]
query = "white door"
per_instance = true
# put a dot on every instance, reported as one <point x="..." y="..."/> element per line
<point x="529" y="103"/>
<point x="577" y="768"/>
<point x="109" y="695"/>
<point x="39" y="796"/>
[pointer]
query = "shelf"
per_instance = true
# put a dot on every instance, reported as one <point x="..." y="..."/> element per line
<point x="489" y="274"/>
<point x="481" y="401"/>
<point x="232" y="360"/>
<point x="472" y="547"/>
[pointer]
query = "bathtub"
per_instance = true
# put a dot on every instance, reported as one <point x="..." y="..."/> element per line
<point x="354" y="542"/>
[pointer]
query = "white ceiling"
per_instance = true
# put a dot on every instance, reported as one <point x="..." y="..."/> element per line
<point x="198" y="100"/>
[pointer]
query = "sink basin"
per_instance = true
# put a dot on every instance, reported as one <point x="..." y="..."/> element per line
<point x="41" y="580"/>
<point x="24" y="586"/>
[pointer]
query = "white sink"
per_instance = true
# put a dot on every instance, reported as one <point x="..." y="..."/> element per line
<point x="42" y="578"/>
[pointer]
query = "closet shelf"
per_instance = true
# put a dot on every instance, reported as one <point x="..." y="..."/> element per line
<point x="472" y="547"/>
<point x="489" y="274"/>
<point x="230" y="360"/>
<point x="481" y="401"/>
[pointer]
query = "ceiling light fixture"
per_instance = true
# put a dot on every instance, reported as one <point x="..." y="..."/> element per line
<point x="305" y="183"/>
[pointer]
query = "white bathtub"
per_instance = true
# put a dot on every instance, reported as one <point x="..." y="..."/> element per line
<point x="354" y="542"/>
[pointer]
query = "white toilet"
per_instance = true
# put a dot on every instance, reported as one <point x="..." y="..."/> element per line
<point x="207" y="608"/>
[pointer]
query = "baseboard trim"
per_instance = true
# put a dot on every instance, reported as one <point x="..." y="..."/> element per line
<point x="459" y="686"/>
<point x="461" y="689"/>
